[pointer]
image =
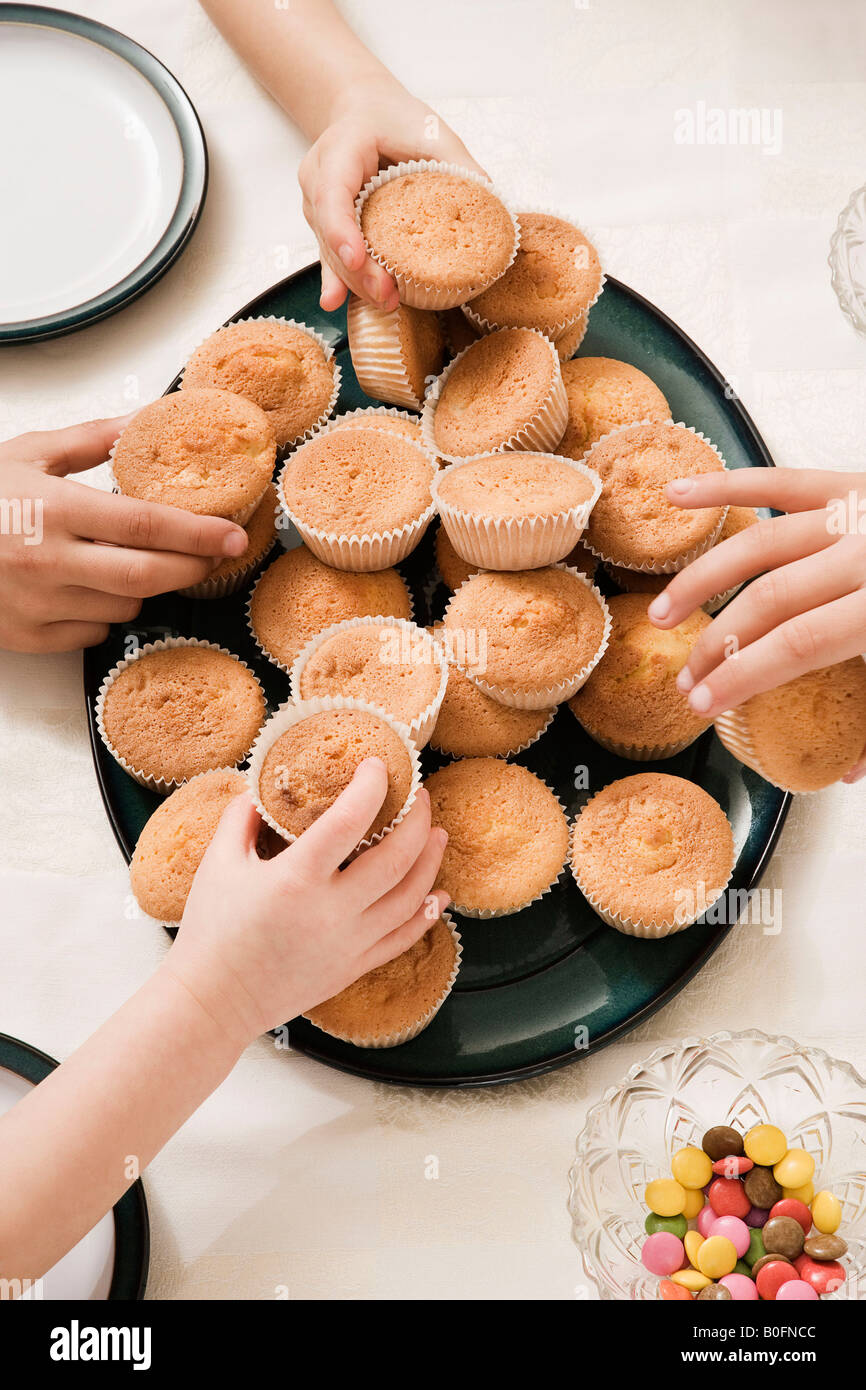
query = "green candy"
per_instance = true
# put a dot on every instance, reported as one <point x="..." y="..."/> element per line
<point x="742" y="1268"/>
<point x="677" y="1225"/>
<point x="756" y="1248"/>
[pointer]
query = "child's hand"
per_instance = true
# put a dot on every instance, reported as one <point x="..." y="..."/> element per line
<point x="264" y="940"/>
<point x="60" y="590"/>
<point x="377" y="123"/>
<point x="807" y="610"/>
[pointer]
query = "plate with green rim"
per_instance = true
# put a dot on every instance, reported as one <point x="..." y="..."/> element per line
<point x="92" y="1265"/>
<point x="551" y="984"/>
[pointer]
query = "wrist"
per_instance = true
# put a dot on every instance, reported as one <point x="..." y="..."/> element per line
<point x="205" y="1018"/>
<point x="365" y="90"/>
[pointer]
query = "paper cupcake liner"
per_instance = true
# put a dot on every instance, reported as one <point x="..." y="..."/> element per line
<point x="541" y="433"/>
<point x="568" y="342"/>
<point x="220" y="586"/>
<point x="647" y="931"/>
<point x="510" y="753"/>
<point x="488" y="913"/>
<point x="317" y="338"/>
<point x="362" y="553"/>
<point x="547" y="696"/>
<point x="637" y="752"/>
<point x="713" y="605"/>
<point x="162" y="785"/>
<point x="421" y="727"/>
<point x="412" y="1029"/>
<point x="680" y="561"/>
<point x="377" y="355"/>
<point x="294" y="712"/>
<point x="516" y="543"/>
<point x="412" y="292"/>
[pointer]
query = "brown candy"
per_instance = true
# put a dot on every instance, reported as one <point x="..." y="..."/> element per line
<point x="783" y="1235"/>
<point x="825" y="1247"/>
<point x="721" y="1142"/>
<point x="714" y="1292"/>
<point x="761" y="1187"/>
<point x="767" y="1260"/>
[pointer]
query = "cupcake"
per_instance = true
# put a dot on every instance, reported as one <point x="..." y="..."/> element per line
<point x="206" y="451"/>
<point x="507" y="835"/>
<point x="452" y="567"/>
<point x="554" y="280"/>
<point x="459" y="332"/>
<point x="640" y="582"/>
<point x="603" y="395"/>
<point x="395" y="354"/>
<point x="297" y="596"/>
<point x="515" y="511"/>
<point x="636" y="581"/>
<point x="631" y="704"/>
<point x="805" y="734"/>
<point x="380" y="417"/>
<point x="651" y="853"/>
<point x="386" y="662"/>
<point x="360" y="498"/>
<point x="529" y="638"/>
<point x="441" y="232"/>
<point x="582" y="560"/>
<point x="503" y="392"/>
<point x="308" y="752"/>
<point x="176" y="708"/>
<point x="568" y="342"/>
<point x="284" y="367"/>
<point x="633" y="524"/>
<point x="231" y="574"/>
<point x="738" y="519"/>
<point x="396" y="1001"/>
<point x="472" y="725"/>
<point x="173" y="842"/>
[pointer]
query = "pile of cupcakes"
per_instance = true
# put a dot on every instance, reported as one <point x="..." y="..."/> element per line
<point x="543" y="469"/>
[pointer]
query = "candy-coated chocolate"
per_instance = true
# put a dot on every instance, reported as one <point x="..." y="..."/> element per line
<point x="827" y="1247"/>
<point x="797" y="1210"/>
<point x="694" y="1202"/>
<point x="768" y="1260"/>
<point x="662" y="1253"/>
<point x="714" y="1292"/>
<point x="766" y="1144"/>
<point x="826" y="1212"/>
<point x="796" y="1291"/>
<point x="783" y="1236"/>
<point x="736" y="1231"/>
<point x="727" y="1197"/>
<point x="691" y="1168"/>
<point x="795" y="1169"/>
<point x="756" y="1248"/>
<point x="742" y="1268"/>
<point x="800" y="1194"/>
<point x="772" y="1276"/>
<point x="740" y="1287"/>
<point x="665" y="1197"/>
<point x="757" y="1216"/>
<point x="691" y="1279"/>
<point x="824" y="1275"/>
<point x="732" y="1166"/>
<point x="761" y="1187"/>
<point x="720" y="1141"/>
<point x="677" y="1225"/>
<point x="717" y="1256"/>
<point x="706" y="1217"/>
<point x="693" y="1240"/>
<point x="674" y="1293"/>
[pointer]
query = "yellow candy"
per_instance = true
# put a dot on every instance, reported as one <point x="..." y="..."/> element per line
<point x="802" y="1194"/>
<point x="693" y="1240"/>
<point x="692" y="1168"/>
<point x="795" y="1169"/>
<point x="826" y="1212"/>
<point x="695" y="1201"/>
<point x="765" y="1145"/>
<point x="717" y="1257"/>
<point x="691" y="1279"/>
<point x="665" y="1197"/>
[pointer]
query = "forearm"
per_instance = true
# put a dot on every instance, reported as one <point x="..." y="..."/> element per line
<point x="71" y="1148"/>
<point x="305" y="55"/>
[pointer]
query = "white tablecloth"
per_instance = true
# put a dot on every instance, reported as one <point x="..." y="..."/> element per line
<point x="292" y="1175"/>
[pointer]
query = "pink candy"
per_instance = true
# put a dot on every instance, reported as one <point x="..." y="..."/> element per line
<point x="795" y="1291"/>
<point x="706" y="1217"/>
<point x="736" y="1231"/>
<point x="741" y="1288"/>
<point x="663" y="1253"/>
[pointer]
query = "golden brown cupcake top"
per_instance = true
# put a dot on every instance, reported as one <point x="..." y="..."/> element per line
<point x="407" y="425"/>
<point x="298" y="596"/>
<point x="536" y="627"/>
<point x="352" y="482"/>
<point x="281" y="368"/>
<point x="604" y="394"/>
<point x="631" y="696"/>
<point x="497" y="386"/>
<point x="644" y="842"/>
<point x="175" y="712"/>
<point x="471" y="724"/>
<point x="555" y="275"/>
<point x="507" y="834"/>
<point x="738" y="519"/>
<point x="392" y="997"/>
<point x="173" y="842"/>
<point x="261" y="532"/>
<point x="452" y="567"/>
<point x="633" y="523"/>
<point x="306" y="768"/>
<point x="399" y="669"/>
<point x="207" y="451"/>
<point x="514" y="485"/>
<point x="810" y="731"/>
<point x="439" y="229"/>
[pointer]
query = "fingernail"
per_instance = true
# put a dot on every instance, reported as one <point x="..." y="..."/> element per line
<point x="701" y="698"/>
<point x="346" y="254"/>
<point x="685" y="680"/>
<point x="680" y="487"/>
<point x="424" y="795"/>
<point x="235" y="543"/>
<point x="371" y="285"/>
<point x="442" y="837"/>
<point x="660" y="607"/>
<point x="370" y="762"/>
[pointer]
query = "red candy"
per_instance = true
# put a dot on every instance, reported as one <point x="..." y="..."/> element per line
<point x="823" y="1275"/>
<point x="771" y="1278"/>
<point x="798" y="1211"/>
<point x="727" y="1197"/>
<point x="732" y="1167"/>
<point x="673" y="1293"/>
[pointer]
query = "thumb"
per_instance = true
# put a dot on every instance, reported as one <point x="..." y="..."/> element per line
<point x="73" y="449"/>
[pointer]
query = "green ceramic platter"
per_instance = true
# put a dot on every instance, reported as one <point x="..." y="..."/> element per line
<point x="547" y="985"/>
